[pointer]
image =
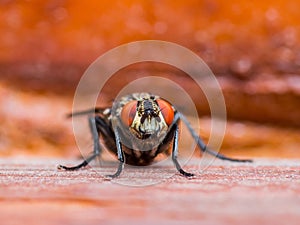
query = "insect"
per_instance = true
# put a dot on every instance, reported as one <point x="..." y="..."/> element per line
<point x="137" y="128"/>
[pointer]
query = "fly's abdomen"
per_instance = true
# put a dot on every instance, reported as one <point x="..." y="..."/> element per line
<point x="140" y="158"/>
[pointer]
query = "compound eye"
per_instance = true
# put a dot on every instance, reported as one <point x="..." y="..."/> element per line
<point x="128" y="113"/>
<point x="167" y="111"/>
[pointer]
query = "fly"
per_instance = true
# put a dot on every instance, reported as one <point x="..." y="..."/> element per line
<point x="137" y="128"/>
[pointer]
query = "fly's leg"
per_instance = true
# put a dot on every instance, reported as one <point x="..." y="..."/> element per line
<point x="173" y="135"/>
<point x="204" y="148"/>
<point x="120" y="154"/>
<point x="175" y="152"/>
<point x="97" y="147"/>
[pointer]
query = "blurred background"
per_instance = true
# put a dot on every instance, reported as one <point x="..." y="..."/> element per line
<point x="252" y="47"/>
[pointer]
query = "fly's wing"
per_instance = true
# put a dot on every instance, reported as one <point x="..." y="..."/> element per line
<point x="103" y="111"/>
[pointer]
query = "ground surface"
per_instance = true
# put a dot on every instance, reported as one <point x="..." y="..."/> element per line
<point x="32" y="191"/>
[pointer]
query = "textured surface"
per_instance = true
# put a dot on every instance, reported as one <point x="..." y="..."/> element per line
<point x="266" y="192"/>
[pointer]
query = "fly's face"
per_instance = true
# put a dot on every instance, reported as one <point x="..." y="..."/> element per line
<point x="148" y="117"/>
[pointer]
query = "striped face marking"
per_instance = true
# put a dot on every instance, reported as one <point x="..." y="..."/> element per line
<point x="147" y="117"/>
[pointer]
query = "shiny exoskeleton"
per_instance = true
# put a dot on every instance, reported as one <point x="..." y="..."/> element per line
<point x="136" y="129"/>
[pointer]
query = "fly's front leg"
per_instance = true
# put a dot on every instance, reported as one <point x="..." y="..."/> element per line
<point x="97" y="147"/>
<point x="175" y="152"/>
<point x="120" y="154"/>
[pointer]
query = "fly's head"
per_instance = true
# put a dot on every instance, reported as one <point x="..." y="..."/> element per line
<point x="148" y="117"/>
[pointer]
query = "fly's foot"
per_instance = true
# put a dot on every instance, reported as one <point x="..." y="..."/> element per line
<point x="186" y="174"/>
